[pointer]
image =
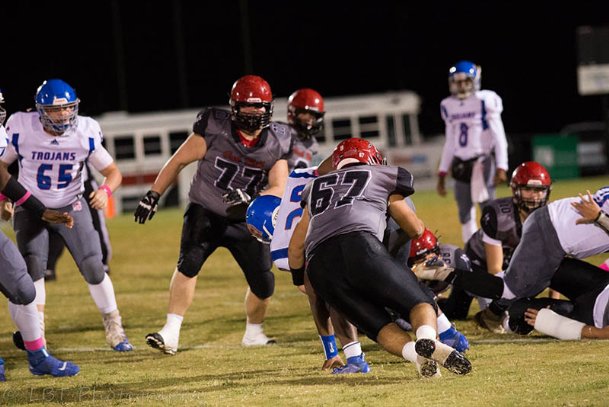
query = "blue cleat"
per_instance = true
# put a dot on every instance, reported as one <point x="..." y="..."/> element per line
<point x="123" y="346"/>
<point x="2" y="375"/>
<point x="355" y="364"/>
<point x="41" y="363"/>
<point x="454" y="339"/>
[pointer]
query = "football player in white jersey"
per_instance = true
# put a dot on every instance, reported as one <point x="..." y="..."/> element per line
<point x="575" y="227"/>
<point x="51" y="145"/>
<point x="475" y="149"/>
<point x="16" y="284"/>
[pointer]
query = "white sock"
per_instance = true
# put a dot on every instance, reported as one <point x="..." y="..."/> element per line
<point x="172" y="327"/>
<point x="41" y="294"/>
<point x="252" y="330"/>
<point x="507" y="293"/>
<point x="443" y="323"/>
<point x="27" y="320"/>
<point x="352" y="349"/>
<point x="103" y="295"/>
<point x="483" y="303"/>
<point x="470" y="227"/>
<point x="427" y="332"/>
<point x="409" y="353"/>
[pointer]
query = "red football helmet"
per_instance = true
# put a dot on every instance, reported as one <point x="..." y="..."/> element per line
<point x="251" y="90"/>
<point x="531" y="175"/>
<point x="306" y="101"/>
<point x="356" y="150"/>
<point x="421" y="247"/>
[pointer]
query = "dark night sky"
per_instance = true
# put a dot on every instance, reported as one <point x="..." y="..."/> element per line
<point x="527" y="51"/>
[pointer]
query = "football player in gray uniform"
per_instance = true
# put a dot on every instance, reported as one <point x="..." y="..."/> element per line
<point x="340" y="236"/>
<point x="491" y="247"/>
<point x="240" y="154"/>
<point x="306" y="118"/>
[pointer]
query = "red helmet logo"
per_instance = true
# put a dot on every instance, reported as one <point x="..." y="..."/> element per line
<point x="251" y="89"/>
<point x="356" y="150"/>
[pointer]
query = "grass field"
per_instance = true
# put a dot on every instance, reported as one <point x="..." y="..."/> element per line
<point x="212" y="368"/>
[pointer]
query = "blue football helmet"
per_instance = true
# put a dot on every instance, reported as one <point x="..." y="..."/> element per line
<point x="57" y="104"/>
<point x="2" y="111"/>
<point x="261" y="217"/>
<point x="463" y="79"/>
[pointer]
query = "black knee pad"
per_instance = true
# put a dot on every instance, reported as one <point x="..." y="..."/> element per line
<point x="92" y="269"/>
<point x="24" y="292"/>
<point x="262" y="284"/>
<point x="190" y="262"/>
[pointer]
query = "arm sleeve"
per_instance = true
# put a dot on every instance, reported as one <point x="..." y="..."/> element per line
<point x="404" y="183"/>
<point x="200" y="125"/>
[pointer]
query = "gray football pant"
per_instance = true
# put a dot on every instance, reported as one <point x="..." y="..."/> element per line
<point x="15" y="283"/>
<point x="82" y="241"/>
<point x="463" y="192"/>
<point x="536" y="258"/>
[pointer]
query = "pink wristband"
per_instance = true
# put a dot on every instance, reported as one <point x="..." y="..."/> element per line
<point x="2" y="197"/>
<point x="107" y="189"/>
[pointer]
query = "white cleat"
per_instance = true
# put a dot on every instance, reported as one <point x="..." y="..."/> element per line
<point x="156" y="341"/>
<point x="259" y="339"/>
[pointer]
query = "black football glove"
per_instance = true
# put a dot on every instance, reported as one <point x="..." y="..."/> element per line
<point x="147" y="207"/>
<point x="234" y="197"/>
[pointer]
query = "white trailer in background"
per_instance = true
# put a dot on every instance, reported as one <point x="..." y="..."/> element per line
<point x="142" y="143"/>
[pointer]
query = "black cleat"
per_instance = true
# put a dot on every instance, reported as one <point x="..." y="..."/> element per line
<point x="156" y="341"/>
<point x="443" y="354"/>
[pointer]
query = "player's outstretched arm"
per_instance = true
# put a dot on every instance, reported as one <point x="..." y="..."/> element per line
<point x="193" y="149"/>
<point x="405" y="216"/>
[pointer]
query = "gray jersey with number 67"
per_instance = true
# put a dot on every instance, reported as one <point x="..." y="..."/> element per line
<point x="230" y="165"/>
<point x="352" y="199"/>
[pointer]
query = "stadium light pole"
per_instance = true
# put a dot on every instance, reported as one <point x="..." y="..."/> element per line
<point x="180" y="53"/>
<point x="119" y="52"/>
<point x="246" y="37"/>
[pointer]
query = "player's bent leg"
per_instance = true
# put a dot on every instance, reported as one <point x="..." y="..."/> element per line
<point x="255" y="309"/>
<point x="181" y="294"/>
